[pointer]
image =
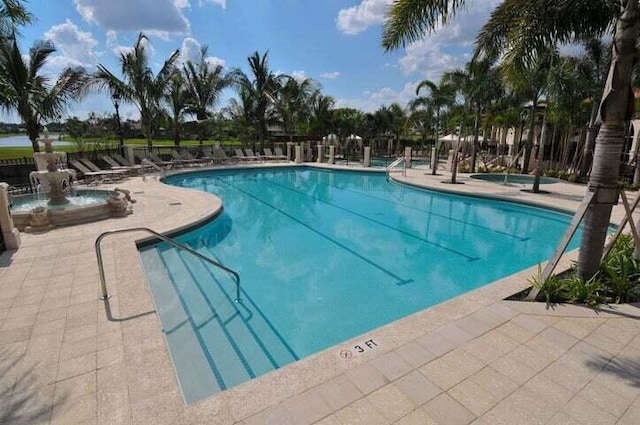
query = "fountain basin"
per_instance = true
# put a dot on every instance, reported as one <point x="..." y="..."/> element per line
<point x="84" y="206"/>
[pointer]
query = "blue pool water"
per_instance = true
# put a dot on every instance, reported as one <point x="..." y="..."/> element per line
<point x="323" y="257"/>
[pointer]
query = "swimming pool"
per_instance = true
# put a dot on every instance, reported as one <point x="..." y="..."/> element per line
<point x="324" y="256"/>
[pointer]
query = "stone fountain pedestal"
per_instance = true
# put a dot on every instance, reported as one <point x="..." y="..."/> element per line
<point x="50" y="175"/>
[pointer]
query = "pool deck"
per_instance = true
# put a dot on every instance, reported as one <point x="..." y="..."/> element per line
<point x="67" y="359"/>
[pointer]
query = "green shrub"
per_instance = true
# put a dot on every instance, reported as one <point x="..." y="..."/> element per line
<point x="552" y="289"/>
<point x="590" y="292"/>
<point x="551" y="173"/>
<point x="621" y="271"/>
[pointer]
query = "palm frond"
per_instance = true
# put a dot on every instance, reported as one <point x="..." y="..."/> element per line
<point x="409" y="20"/>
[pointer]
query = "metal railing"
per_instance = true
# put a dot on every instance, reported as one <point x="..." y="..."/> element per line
<point x="394" y="164"/>
<point x="170" y="241"/>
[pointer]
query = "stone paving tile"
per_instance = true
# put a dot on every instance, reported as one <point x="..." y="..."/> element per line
<point x="418" y="388"/>
<point x="392" y="403"/>
<point x="605" y="399"/>
<point x="472" y="396"/>
<point x="446" y="411"/>
<point x="339" y="392"/>
<point x="582" y="410"/>
<point x="452" y="368"/>
<point x="529" y="322"/>
<point x="436" y="343"/>
<point x="490" y="346"/>
<point x="362" y="412"/>
<point x="415" y="354"/>
<point x="392" y="365"/>
<point x="307" y="408"/>
<point x="493" y="382"/>
<point x="417" y="417"/>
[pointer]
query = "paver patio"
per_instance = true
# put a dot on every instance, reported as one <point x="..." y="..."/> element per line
<point x="475" y="359"/>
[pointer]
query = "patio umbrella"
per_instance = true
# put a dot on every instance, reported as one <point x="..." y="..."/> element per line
<point x="326" y="140"/>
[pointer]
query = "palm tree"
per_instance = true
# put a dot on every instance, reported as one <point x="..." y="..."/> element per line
<point x="262" y="88"/>
<point x="12" y="14"/>
<point x="241" y="112"/>
<point x="27" y="92"/>
<point x="523" y="27"/>
<point x="321" y="113"/>
<point x="204" y="84"/>
<point x="176" y="98"/>
<point x="294" y="104"/>
<point x="139" y="85"/>
<point x="596" y="60"/>
<point x="441" y="96"/>
<point x="530" y="80"/>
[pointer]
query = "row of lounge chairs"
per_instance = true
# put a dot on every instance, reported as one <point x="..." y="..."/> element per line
<point x="119" y="167"/>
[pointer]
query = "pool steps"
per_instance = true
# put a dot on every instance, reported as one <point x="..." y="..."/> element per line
<point x="243" y="344"/>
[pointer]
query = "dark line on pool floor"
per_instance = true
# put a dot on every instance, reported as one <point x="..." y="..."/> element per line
<point x="510" y="235"/>
<point x="380" y="223"/>
<point x="341" y="245"/>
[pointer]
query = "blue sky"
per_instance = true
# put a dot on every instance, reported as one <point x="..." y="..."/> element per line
<point x="336" y="42"/>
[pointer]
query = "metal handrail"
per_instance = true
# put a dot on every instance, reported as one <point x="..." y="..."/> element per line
<point x="103" y="284"/>
<point x="395" y="163"/>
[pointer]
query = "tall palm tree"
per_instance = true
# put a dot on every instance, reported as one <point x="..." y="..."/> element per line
<point x="262" y="86"/>
<point x="596" y="60"/>
<point x="139" y="86"/>
<point x="530" y="80"/>
<point x="294" y="104"/>
<point x="241" y="112"/>
<point x="12" y="14"/>
<point x="26" y="91"/>
<point x="321" y="113"/>
<point x="204" y="83"/>
<point x="522" y="27"/>
<point x="441" y="96"/>
<point x="176" y="98"/>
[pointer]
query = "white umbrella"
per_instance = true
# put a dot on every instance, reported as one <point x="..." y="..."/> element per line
<point x="329" y="138"/>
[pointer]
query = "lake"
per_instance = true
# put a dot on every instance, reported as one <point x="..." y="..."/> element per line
<point x="23" y="141"/>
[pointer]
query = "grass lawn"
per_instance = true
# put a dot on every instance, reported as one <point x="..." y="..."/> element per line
<point x="89" y="145"/>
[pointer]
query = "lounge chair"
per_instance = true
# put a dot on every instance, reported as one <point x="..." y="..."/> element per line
<point x="92" y="176"/>
<point x="93" y="167"/>
<point x="133" y="169"/>
<point x="241" y="156"/>
<point x="157" y="161"/>
<point x="219" y="155"/>
<point x="279" y="152"/>
<point x="203" y="160"/>
<point x="269" y="154"/>
<point x="123" y="161"/>
<point x="180" y="159"/>
<point x="249" y="154"/>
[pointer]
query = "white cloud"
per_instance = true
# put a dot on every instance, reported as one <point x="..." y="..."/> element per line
<point x="330" y="75"/>
<point x="385" y="96"/>
<point x="73" y="43"/>
<point x="191" y="51"/>
<point x="158" y="17"/>
<point x="449" y="47"/>
<point x="299" y="75"/>
<point x="221" y="3"/>
<point x="115" y="47"/>
<point x="356" y="19"/>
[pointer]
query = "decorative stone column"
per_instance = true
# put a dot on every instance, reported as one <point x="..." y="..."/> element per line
<point x="434" y="158"/>
<point x="407" y="157"/>
<point x="366" y="161"/>
<point x="320" y="154"/>
<point x="128" y="151"/>
<point x="299" y="153"/>
<point x="10" y="234"/>
<point x="289" y="151"/>
<point x="332" y="154"/>
<point x="450" y="161"/>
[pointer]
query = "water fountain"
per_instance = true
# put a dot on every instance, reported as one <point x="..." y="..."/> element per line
<point x="51" y="178"/>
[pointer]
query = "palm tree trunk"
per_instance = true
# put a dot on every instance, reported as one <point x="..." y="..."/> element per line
<point x="540" y="154"/>
<point x="592" y="132"/>
<point x="616" y="108"/>
<point x="529" y="143"/>
<point x="474" y="148"/>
